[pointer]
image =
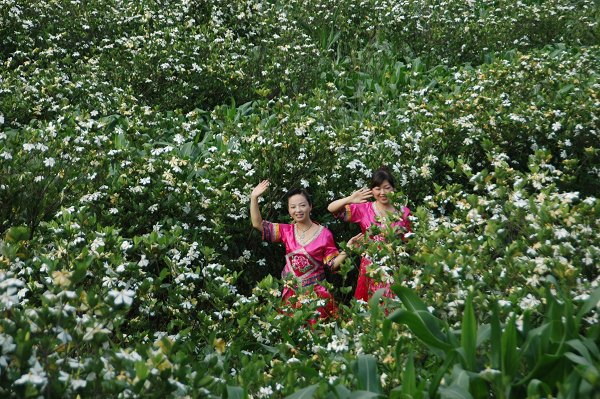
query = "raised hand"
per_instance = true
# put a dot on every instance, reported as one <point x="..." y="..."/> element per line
<point x="360" y="196"/>
<point x="260" y="189"/>
<point x="356" y="240"/>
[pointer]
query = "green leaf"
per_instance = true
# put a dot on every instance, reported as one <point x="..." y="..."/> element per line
<point x="588" y="305"/>
<point x="386" y="329"/>
<point x="409" y="382"/>
<point x="591" y="346"/>
<point x="409" y="299"/>
<point x="339" y="392"/>
<point x="367" y="374"/>
<point x="469" y="333"/>
<point x="306" y="371"/>
<point x="534" y="388"/>
<point x="580" y="347"/>
<point x="578" y="359"/>
<point x="435" y="382"/>
<point x="510" y="353"/>
<point x="418" y="326"/>
<point x="141" y="370"/>
<point x="304" y="393"/>
<point x="484" y="332"/>
<point x="460" y="377"/>
<point x="396" y="393"/>
<point x="455" y="392"/>
<point x="566" y="89"/>
<point x="364" y="395"/>
<point x="413" y="303"/>
<point x="548" y="369"/>
<point x="374" y="306"/>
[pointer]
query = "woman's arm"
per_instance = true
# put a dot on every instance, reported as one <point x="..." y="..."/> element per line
<point x="357" y="197"/>
<point x="353" y="242"/>
<point x="254" y="208"/>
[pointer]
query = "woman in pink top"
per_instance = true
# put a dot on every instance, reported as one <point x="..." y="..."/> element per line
<point x="356" y="209"/>
<point x="308" y="245"/>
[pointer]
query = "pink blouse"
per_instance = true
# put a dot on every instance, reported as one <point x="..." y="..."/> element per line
<point x="304" y="262"/>
<point x="365" y="215"/>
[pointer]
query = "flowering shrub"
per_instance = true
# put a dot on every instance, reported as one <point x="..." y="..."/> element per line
<point x="131" y="135"/>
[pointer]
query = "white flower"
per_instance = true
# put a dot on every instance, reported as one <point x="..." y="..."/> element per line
<point x="49" y="162"/>
<point x="122" y="297"/>
<point x="337" y="344"/>
<point x="126" y="245"/>
<point x="98" y="242"/>
<point x="521" y="203"/>
<point x="36" y="376"/>
<point x="11" y="282"/>
<point x="131" y="357"/>
<point x="529" y="302"/>
<point x="9" y="298"/>
<point x="556" y="126"/>
<point x="76" y="384"/>
<point x="561" y="233"/>
<point x="63" y="377"/>
<point x="383" y="378"/>
<point x="7" y="344"/>
<point x="504" y="303"/>
<point x="143" y="262"/>
<point x="265" y="392"/>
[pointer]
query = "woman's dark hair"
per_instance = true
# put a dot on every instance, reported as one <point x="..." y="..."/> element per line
<point x="301" y="191"/>
<point x="382" y="174"/>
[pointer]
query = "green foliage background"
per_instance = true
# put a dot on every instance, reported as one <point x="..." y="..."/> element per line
<point x="131" y="135"/>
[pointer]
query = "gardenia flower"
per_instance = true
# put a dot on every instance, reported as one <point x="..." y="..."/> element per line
<point x="122" y="297"/>
<point x="8" y="297"/>
<point x="561" y="233"/>
<point x="36" y="376"/>
<point x="76" y="384"/>
<point x="337" y="345"/>
<point x="61" y="278"/>
<point x="10" y="282"/>
<point x="265" y="392"/>
<point x="6" y="344"/>
<point x="97" y="329"/>
<point x="529" y="302"/>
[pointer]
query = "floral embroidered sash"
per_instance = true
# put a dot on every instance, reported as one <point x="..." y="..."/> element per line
<point x="302" y="265"/>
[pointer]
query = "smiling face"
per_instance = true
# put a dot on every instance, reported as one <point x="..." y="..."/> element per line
<point x="380" y="192"/>
<point x="299" y="208"/>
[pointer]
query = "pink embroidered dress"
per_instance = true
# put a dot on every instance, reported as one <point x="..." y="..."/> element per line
<point x="305" y="262"/>
<point x="365" y="214"/>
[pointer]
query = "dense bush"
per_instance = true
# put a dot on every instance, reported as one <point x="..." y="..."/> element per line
<point x="131" y="135"/>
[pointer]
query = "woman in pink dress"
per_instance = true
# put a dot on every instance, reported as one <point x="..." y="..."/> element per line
<point x="308" y="245"/>
<point x="356" y="209"/>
